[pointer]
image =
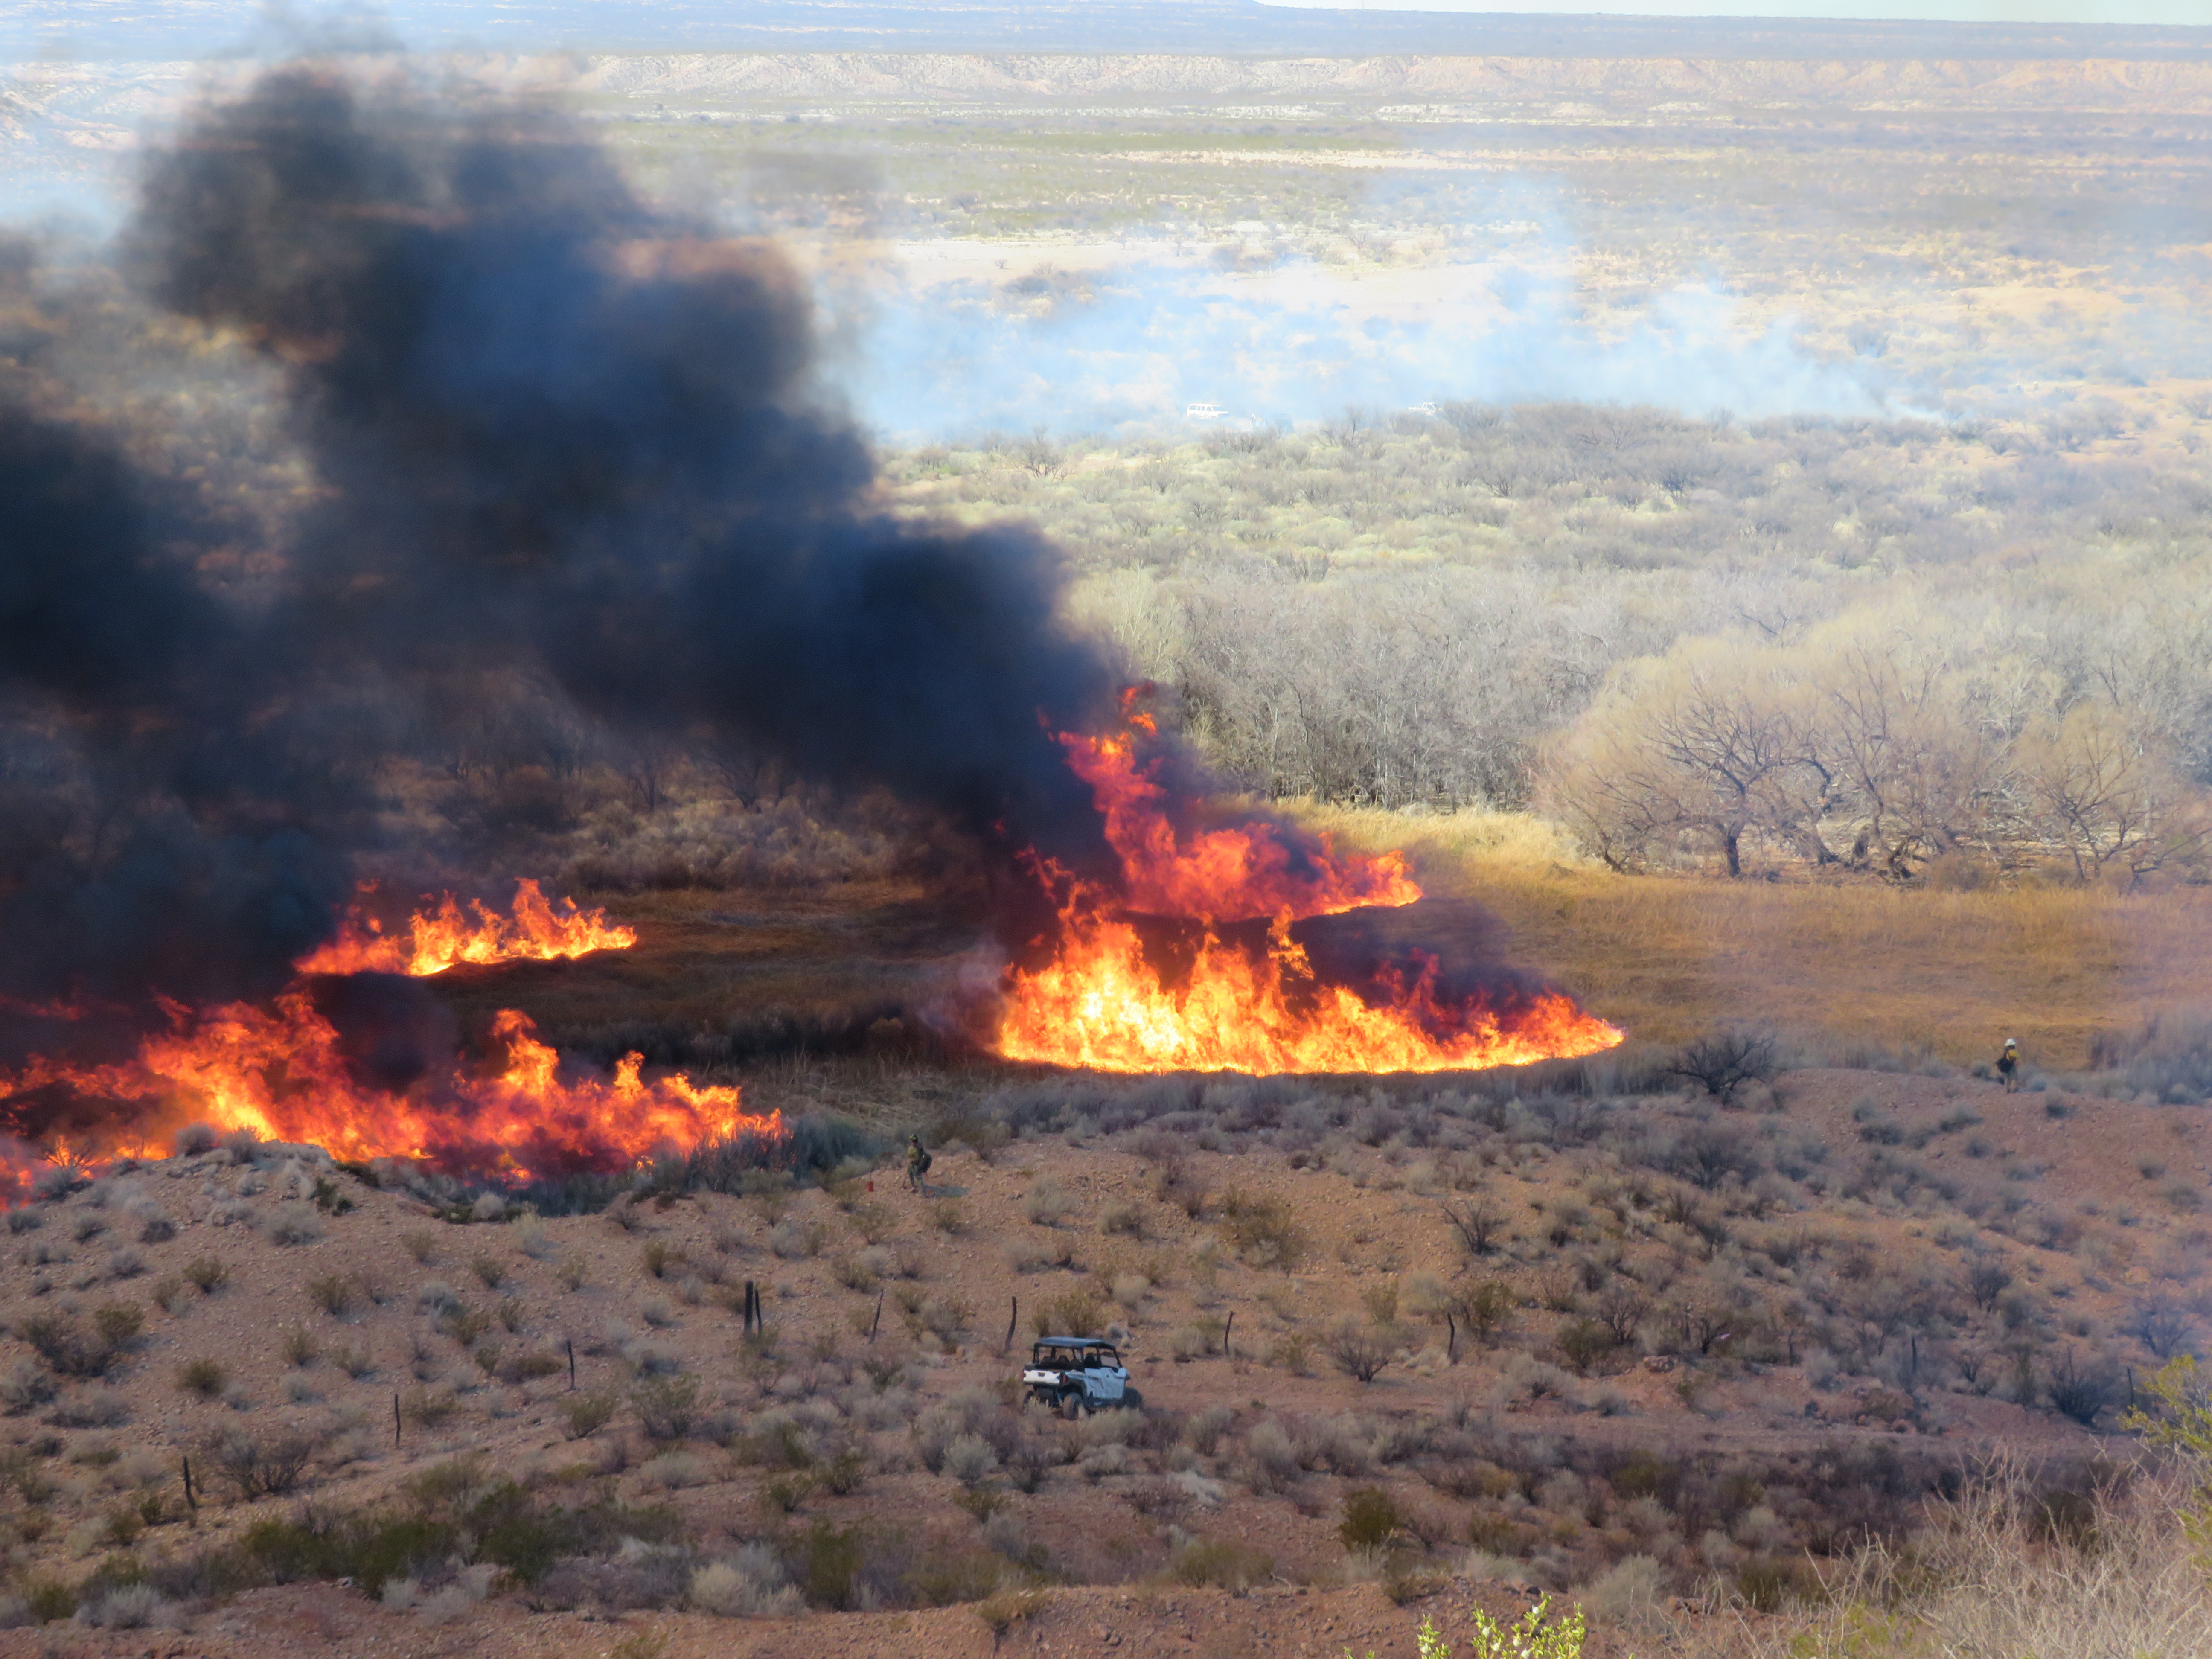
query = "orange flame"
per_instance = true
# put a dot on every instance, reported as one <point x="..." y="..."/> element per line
<point x="1222" y="875"/>
<point x="539" y="931"/>
<point x="1100" y="1003"/>
<point x="280" y="1073"/>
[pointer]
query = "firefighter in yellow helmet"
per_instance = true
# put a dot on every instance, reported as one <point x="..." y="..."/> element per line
<point x="2008" y="1065"/>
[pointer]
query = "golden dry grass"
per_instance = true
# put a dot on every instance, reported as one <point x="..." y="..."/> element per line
<point x="1983" y="1578"/>
<point x="1856" y="962"/>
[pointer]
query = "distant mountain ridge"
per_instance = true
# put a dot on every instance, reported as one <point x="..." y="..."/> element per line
<point x="127" y="30"/>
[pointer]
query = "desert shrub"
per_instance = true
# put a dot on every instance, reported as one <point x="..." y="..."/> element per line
<point x="1046" y="1205"/>
<point x="1271" y="1456"/>
<point x="332" y="1292"/>
<point x="25" y="1385"/>
<point x="585" y="1414"/>
<point x="969" y="1458"/>
<point x="259" y="1466"/>
<point x="1003" y="1609"/>
<point x="831" y="1559"/>
<point x="793" y="1240"/>
<point x="92" y="1406"/>
<point x="1077" y="1311"/>
<point x="207" y="1378"/>
<point x="2079" y="1392"/>
<point x="976" y="1411"/>
<point x="292" y="1224"/>
<point x="1205" y="1428"/>
<point x="1584" y="1343"/>
<point x="1372" y="1520"/>
<point x="665" y="1407"/>
<point x="1631" y="1592"/>
<point x="156" y="1229"/>
<point x="2170" y="1058"/>
<point x="1478" y="1225"/>
<point x="786" y="1493"/>
<point x="750" y="1584"/>
<point x="1726" y="1061"/>
<point x="1179" y="1186"/>
<point x="208" y="1273"/>
<point x="1358" y="1351"/>
<point x="1709" y="1155"/>
<point x="75" y="1347"/>
<point x="1773" y="1582"/>
<point x="126" y="1607"/>
<point x="429" y="1409"/>
<point x="1485" y="1309"/>
<point x="845" y="1473"/>
<point x="1262" y="1231"/>
<point x="809" y="1143"/>
<point x="490" y="1270"/>
<point x="1221" y="1561"/>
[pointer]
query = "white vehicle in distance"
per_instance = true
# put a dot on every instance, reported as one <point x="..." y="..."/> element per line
<point x="1076" y="1374"/>
<point x="1204" y="412"/>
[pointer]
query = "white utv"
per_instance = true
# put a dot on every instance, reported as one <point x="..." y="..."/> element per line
<point x="1073" y="1375"/>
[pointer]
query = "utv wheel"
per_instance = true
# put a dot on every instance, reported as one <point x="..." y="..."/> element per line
<point x="1132" y="1400"/>
<point x="1071" y="1404"/>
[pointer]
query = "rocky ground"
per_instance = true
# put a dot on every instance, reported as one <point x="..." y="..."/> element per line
<point x="281" y="1302"/>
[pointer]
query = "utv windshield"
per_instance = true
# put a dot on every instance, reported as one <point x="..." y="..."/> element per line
<point x="1086" y="1358"/>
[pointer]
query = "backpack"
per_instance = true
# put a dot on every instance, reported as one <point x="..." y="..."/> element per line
<point x="922" y="1162"/>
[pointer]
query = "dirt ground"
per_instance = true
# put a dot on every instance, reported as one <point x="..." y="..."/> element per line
<point x="936" y="1279"/>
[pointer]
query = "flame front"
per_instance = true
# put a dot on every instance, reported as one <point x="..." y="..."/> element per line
<point x="1221" y="875"/>
<point x="1101" y="1003"/>
<point x="536" y="931"/>
<point x="280" y="1071"/>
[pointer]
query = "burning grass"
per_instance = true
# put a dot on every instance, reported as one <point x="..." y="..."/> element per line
<point x="1110" y="999"/>
<point x="287" y="1072"/>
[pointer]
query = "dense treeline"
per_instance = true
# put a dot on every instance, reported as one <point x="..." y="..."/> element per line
<point x="1848" y="643"/>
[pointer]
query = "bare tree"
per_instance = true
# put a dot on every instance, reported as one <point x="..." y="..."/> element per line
<point x="2102" y="796"/>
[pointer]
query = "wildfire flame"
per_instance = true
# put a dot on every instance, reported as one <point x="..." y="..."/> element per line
<point x="1101" y="1003"/>
<point x="280" y="1071"/>
<point x="1219" y="875"/>
<point x="538" y="931"/>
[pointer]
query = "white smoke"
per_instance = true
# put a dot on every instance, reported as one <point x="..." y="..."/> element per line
<point x="1130" y="347"/>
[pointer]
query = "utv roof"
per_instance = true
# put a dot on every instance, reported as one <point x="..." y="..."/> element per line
<point x="1075" y="1342"/>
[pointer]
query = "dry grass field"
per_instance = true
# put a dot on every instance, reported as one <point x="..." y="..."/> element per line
<point x="1848" y="966"/>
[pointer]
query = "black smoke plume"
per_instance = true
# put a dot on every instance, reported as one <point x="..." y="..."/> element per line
<point x="542" y="427"/>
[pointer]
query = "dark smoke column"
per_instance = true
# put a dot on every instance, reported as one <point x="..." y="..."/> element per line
<point x="559" y="428"/>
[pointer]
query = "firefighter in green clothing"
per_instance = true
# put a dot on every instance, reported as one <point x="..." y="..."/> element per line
<point x="917" y="1165"/>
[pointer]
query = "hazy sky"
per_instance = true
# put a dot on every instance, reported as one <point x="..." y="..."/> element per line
<point x="1934" y="11"/>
